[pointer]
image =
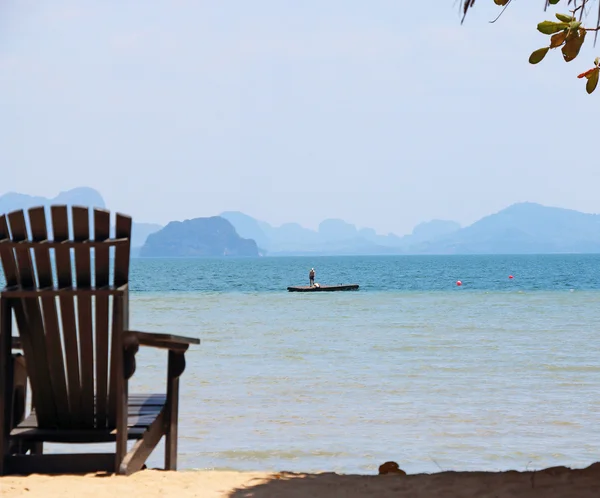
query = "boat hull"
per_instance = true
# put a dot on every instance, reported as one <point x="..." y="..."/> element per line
<point x="323" y="288"/>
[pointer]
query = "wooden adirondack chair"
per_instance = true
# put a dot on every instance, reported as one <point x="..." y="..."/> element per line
<point x="79" y="352"/>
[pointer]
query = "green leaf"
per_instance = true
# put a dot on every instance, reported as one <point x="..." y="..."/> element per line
<point x="564" y="17"/>
<point x="592" y="82"/>
<point x="553" y="2"/>
<point x="551" y="27"/>
<point x="538" y="55"/>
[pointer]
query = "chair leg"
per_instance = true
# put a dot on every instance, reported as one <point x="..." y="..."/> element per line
<point x="37" y="448"/>
<point x="18" y="404"/>
<point x="121" y="443"/>
<point x="175" y="368"/>
<point x="172" y="423"/>
<point x="6" y="374"/>
<point x="134" y="460"/>
<point x="19" y="387"/>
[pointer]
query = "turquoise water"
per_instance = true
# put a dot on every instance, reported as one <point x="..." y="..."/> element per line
<point x="379" y="273"/>
<point x="496" y="374"/>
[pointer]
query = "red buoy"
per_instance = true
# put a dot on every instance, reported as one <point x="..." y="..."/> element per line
<point x="459" y="283"/>
<point x="510" y="276"/>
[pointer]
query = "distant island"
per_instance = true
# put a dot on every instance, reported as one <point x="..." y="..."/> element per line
<point x="81" y="196"/>
<point x="200" y="237"/>
<point x="333" y="237"/>
<point x="523" y="228"/>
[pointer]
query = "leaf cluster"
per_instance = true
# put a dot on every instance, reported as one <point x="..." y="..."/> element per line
<point x="567" y="33"/>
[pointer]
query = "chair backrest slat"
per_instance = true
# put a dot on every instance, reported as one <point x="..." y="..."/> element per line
<point x="33" y="333"/>
<point x="81" y="232"/>
<point x="60" y="227"/>
<point x="39" y="232"/>
<point x="123" y="231"/>
<point x="120" y="314"/>
<point x="67" y="339"/>
<point x="9" y="265"/>
<point x="102" y="269"/>
<point x="11" y="275"/>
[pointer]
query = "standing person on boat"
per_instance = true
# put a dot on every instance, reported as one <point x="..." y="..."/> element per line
<point x="311" y="277"/>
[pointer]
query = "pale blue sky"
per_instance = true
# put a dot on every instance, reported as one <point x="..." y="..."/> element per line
<point x="383" y="112"/>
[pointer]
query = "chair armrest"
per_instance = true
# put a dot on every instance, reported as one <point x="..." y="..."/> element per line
<point x="162" y="341"/>
<point x="16" y="343"/>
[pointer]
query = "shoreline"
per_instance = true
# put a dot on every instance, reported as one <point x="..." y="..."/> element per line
<point x="551" y="482"/>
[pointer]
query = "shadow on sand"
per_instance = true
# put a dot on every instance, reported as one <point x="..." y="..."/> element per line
<point x="553" y="482"/>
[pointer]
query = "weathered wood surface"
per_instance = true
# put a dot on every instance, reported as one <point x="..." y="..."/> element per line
<point x="72" y="315"/>
<point x="142" y="411"/>
<point x="324" y="288"/>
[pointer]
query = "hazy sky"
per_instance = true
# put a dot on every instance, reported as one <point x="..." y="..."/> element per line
<point x="384" y="113"/>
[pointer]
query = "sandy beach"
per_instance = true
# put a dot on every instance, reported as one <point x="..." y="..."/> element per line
<point x="549" y="483"/>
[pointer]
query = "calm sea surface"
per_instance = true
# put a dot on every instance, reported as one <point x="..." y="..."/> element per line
<point x="496" y="374"/>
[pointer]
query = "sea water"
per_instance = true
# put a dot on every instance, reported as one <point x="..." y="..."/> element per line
<point x="498" y="373"/>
